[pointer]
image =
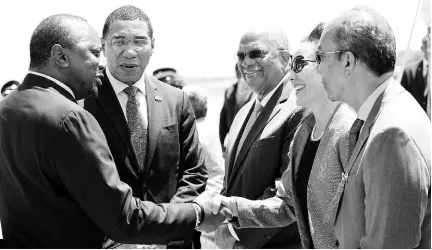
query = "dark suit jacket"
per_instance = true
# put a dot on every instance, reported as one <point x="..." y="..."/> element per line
<point x="415" y="83"/>
<point x="261" y="161"/>
<point x="174" y="169"/>
<point x="59" y="186"/>
<point x="385" y="199"/>
<point x="230" y="108"/>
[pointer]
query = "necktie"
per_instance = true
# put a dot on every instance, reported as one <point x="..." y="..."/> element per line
<point x="136" y="125"/>
<point x="251" y="121"/>
<point x="353" y="135"/>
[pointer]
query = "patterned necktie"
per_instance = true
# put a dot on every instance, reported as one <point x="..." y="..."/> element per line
<point x="251" y="121"/>
<point x="353" y="135"/>
<point x="136" y="125"/>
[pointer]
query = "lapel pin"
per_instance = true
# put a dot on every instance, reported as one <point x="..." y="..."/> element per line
<point x="158" y="98"/>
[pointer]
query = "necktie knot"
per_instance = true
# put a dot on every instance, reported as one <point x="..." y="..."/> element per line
<point x="257" y="108"/>
<point x="354" y="134"/>
<point x="131" y="91"/>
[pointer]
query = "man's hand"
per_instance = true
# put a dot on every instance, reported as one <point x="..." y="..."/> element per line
<point x="223" y="237"/>
<point x="211" y="221"/>
<point x="220" y="201"/>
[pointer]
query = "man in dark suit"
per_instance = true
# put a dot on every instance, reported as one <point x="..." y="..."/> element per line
<point x="149" y="125"/>
<point x="415" y="77"/>
<point x="259" y="138"/>
<point x="235" y="97"/>
<point x="59" y="186"/>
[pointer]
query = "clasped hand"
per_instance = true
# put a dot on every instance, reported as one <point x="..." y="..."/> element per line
<point x="214" y="212"/>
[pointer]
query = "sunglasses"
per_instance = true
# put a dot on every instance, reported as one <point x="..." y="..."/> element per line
<point x="318" y="56"/>
<point x="253" y="54"/>
<point x="298" y="63"/>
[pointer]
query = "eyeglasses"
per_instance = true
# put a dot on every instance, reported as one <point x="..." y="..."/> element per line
<point x="319" y="55"/>
<point x="254" y="54"/>
<point x="298" y="63"/>
<point x="121" y="43"/>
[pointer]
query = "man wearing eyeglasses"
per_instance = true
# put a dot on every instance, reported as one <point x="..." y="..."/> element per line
<point x="383" y="200"/>
<point x="260" y="135"/>
<point x="149" y="125"/>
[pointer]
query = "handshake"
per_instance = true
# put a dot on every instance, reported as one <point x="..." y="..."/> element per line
<point x="218" y="211"/>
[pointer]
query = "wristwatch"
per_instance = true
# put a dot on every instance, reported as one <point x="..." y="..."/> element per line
<point x="199" y="210"/>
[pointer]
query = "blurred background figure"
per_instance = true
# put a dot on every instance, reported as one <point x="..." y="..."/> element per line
<point x="235" y="97"/>
<point x="170" y="76"/>
<point x="8" y="87"/>
<point x="416" y="79"/>
<point x="211" y="147"/>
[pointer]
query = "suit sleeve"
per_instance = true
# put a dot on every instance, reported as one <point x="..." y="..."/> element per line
<point x="192" y="170"/>
<point x="259" y="236"/>
<point x="86" y="167"/>
<point x="396" y="185"/>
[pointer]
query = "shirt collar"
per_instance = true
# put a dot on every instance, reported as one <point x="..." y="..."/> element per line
<point x="266" y="98"/>
<point x="120" y="86"/>
<point x="366" y="107"/>
<point x="64" y="86"/>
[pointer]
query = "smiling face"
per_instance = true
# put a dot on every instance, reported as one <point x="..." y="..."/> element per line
<point x="261" y="74"/>
<point x="127" y="63"/>
<point x="307" y="82"/>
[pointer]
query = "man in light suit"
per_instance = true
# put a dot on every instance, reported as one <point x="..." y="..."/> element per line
<point x="384" y="195"/>
<point x="259" y="138"/>
<point x="157" y="153"/>
<point x="59" y="186"/>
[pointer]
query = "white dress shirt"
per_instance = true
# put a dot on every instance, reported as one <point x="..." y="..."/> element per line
<point x="62" y="85"/>
<point x="122" y="97"/>
<point x="366" y="107"/>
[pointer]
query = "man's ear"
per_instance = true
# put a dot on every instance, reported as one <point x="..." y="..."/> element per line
<point x="59" y="56"/>
<point x="152" y="44"/>
<point x="350" y="61"/>
<point x="286" y="58"/>
<point x="102" y="40"/>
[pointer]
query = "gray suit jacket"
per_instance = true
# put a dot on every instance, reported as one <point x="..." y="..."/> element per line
<point x="331" y="157"/>
<point x="385" y="199"/>
<point x="261" y="161"/>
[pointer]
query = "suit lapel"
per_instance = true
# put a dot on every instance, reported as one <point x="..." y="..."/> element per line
<point x="268" y="112"/>
<point x="154" y="111"/>
<point x="109" y="103"/>
<point x="301" y="139"/>
<point x="234" y="136"/>
<point x="391" y="90"/>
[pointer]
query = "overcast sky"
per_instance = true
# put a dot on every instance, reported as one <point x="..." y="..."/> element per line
<point x="199" y="38"/>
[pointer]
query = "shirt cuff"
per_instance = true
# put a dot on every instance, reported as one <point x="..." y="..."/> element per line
<point x="232" y="231"/>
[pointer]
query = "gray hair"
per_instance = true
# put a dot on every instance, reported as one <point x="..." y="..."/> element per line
<point x="369" y="37"/>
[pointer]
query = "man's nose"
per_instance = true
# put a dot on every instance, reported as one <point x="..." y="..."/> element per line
<point x="129" y="51"/>
<point x="248" y="61"/>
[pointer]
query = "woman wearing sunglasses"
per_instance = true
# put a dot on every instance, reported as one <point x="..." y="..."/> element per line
<point x="318" y="153"/>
